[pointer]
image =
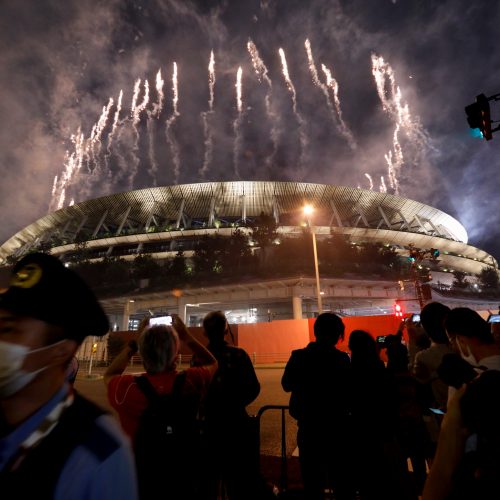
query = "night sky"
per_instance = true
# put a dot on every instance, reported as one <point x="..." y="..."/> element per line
<point x="61" y="62"/>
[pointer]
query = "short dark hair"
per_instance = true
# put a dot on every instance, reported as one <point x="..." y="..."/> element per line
<point x="432" y="318"/>
<point x="329" y="327"/>
<point x="466" y="322"/>
<point x="214" y="324"/>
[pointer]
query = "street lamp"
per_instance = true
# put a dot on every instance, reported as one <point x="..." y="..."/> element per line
<point x="308" y="211"/>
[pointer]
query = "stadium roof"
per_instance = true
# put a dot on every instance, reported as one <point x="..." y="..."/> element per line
<point x="136" y="214"/>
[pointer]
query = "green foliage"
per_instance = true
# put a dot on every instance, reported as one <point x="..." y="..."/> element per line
<point x="489" y="279"/>
<point x="177" y="271"/>
<point x="264" y="230"/>
<point x="144" y="266"/>
<point x="459" y="281"/>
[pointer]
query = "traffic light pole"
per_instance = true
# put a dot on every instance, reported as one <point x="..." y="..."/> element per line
<point x="418" y="285"/>
<point x="416" y="256"/>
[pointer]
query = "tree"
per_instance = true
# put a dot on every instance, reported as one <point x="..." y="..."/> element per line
<point x="488" y="278"/>
<point x="210" y="255"/>
<point x="238" y="251"/>
<point x="264" y="230"/>
<point x="177" y="271"/>
<point x="144" y="266"/>
<point x="459" y="281"/>
<point x="264" y="233"/>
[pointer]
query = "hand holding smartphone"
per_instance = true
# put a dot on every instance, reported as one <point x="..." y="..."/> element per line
<point x="161" y="320"/>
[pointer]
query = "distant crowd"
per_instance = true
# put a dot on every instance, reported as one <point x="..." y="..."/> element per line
<point x="409" y="415"/>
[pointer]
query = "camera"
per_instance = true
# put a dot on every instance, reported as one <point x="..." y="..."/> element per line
<point x="161" y="320"/>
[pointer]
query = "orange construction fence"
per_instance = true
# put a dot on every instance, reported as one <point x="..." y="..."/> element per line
<point x="274" y="341"/>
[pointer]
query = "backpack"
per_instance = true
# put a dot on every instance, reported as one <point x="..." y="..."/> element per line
<point x="167" y="441"/>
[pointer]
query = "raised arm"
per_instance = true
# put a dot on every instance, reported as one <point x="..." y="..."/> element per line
<point x="449" y="453"/>
<point x="203" y="355"/>
<point x="121" y="361"/>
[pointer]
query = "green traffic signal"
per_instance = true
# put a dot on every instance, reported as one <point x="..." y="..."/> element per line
<point x="478" y="116"/>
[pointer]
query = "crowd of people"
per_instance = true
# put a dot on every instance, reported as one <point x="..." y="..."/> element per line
<point x="422" y="424"/>
<point x="371" y="430"/>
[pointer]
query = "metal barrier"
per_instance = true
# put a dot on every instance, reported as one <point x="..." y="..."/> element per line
<point x="284" y="471"/>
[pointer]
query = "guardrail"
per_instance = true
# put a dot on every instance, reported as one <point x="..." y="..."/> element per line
<point x="283" y="471"/>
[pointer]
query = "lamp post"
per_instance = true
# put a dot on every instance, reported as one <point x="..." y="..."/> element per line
<point x="308" y="210"/>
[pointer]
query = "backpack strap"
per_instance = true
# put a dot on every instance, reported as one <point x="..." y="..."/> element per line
<point x="149" y="391"/>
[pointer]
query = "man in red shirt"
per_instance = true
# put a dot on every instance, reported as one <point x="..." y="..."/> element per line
<point x="159" y="346"/>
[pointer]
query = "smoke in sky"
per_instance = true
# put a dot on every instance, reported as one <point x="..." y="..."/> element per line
<point x="387" y="114"/>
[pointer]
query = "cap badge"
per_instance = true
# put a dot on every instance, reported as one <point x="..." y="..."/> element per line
<point x="27" y="277"/>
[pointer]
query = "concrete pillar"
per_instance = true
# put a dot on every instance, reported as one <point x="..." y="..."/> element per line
<point x="297" y="307"/>
<point x="181" y="308"/>
<point x="126" y="316"/>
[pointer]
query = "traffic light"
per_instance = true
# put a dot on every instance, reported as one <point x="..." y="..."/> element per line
<point x="94" y="348"/>
<point x="398" y="310"/>
<point x="478" y="116"/>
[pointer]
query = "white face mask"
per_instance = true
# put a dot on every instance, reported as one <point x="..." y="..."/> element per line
<point x="469" y="357"/>
<point x="12" y="377"/>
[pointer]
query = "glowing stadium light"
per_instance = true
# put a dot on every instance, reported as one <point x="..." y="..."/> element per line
<point x="308" y="210"/>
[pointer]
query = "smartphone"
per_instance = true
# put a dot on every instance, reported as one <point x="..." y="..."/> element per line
<point x="381" y="339"/>
<point x="415" y="318"/>
<point x="161" y="320"/>
<point x="494" y="318"/>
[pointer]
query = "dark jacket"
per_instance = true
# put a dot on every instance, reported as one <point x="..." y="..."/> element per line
<point x="318" y="378"/>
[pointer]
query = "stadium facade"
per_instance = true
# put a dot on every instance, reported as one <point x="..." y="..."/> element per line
<point x="160" y="221"/>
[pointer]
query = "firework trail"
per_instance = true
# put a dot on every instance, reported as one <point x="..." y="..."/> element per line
<point x="207" y="132"/>
<point x="110" y="140"/>
<point x="261" y="72"/>
<point x="391" y="99"/>
<point x="158" y="107"/>
<point x="344" y="129"/>
<point x="395" y="161"/>
<point x="135" y="96"/>
<point x="136" y="111"/>
<point x="211" y="81"/>
<point x="370" y="180"/>
<point x="174" y="147"/>
<point x="54" y="186"/>
<point x="237" y="123"/>
<point x="99" y="128"/>
<point x="115" y="122"/>
<point x="300" y="120"/>
<point x="150" y="125"/>
<point x="72" y="164"/>
<point x="383" y="187"/>
<point x="315" y="77"/>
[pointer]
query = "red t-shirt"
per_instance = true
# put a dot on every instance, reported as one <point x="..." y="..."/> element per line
<point x="130" y="402"/>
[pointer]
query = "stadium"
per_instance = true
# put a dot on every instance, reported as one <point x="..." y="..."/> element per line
<point x="161" y="221"/>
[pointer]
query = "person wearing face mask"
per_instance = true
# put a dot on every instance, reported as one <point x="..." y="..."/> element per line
<point x="472" y="339"/>
<point x="54" y="444"/>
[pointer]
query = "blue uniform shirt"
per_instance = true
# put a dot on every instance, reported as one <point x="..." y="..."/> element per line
<point x="84" y="476"/>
